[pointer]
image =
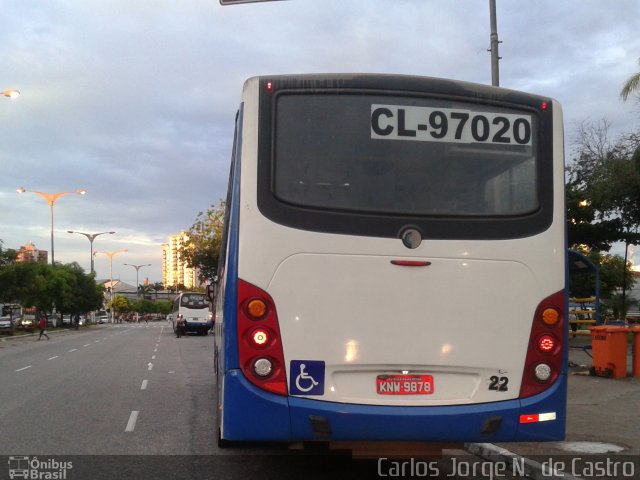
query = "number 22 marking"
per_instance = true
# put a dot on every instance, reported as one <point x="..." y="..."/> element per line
<point x="499" y="384"/>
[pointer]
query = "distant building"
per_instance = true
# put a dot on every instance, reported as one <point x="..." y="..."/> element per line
<point x="174" y="268"/>
<point x="29" y="253"/>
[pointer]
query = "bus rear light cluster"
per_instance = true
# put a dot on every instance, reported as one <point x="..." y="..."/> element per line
<point x="543" y="363"/>
<point x="259" y="341"/>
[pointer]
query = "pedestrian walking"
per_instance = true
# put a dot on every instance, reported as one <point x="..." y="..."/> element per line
<point x="42" y="325"/>
<point x="180" y="326"/>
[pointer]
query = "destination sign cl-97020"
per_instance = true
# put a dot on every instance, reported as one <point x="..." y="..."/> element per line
<point x="452" y="125"/>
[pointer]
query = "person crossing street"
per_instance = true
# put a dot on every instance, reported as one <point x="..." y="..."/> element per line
<point x="42" y="325"/>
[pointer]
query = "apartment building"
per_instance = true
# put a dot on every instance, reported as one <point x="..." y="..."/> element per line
<point x="174" y="268"/>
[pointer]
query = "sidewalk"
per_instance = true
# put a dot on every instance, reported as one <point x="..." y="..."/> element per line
<point x="603" y="428"/>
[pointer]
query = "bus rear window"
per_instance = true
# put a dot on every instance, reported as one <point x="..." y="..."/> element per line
<point x="400" y="155"/>
<point x="194" y="301"/>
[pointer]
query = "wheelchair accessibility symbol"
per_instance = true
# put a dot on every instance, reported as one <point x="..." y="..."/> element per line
<point x="306" y="377"/>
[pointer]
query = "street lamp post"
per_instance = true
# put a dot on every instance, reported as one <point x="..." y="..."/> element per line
<point x="91" y="237"/>
<point x="51" y="199"/>
<point x="111" y="255"/>
<point x="138" y="267"/>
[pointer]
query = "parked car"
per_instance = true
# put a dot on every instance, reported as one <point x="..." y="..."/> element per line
<point x="102" y="316"/>
<point x="6" y="326"/>
<point x="70" y="319"/>
<point x="28" y="323"/>
<point x="10" y="317"/>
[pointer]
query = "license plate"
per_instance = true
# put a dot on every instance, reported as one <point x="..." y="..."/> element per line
<point x="404" y="384"/>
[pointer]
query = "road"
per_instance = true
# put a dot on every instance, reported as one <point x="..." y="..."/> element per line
<point x="107" y="390"/>
<point x="132" y="401"/>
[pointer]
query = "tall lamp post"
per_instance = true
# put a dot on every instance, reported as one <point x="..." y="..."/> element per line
<point x="138" y="267"/>
<point x="91" y="237"/>
<point x="51" y="199"/>
<point x="111" y="255"/>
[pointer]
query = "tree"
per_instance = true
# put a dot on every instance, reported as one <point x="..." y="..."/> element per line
<point x="35" y="284"/>
<point x="582" y="227"/>
<point x="7" y="257"/>
<point x="632" y="85"/>
<point x="205" y="235"/>
<point x="157" y="287"/>
<point x="605" y="174"/>
<point x="144" y="290"/>
<point x="78" y="292"/>
<point x="120" y="304"/>
<point x="40" y="285"/>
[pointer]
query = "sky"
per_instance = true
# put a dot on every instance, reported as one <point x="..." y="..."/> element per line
<point x="134" y="101"/>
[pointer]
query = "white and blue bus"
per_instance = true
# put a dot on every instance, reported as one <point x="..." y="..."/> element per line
<point x="393" y="263"/>
<point x="194" y="308"/>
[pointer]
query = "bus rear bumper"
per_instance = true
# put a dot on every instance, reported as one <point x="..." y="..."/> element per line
<point x="255" y="415"/>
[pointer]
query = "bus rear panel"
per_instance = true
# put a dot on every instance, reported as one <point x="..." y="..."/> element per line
<point x="393" y="263"/>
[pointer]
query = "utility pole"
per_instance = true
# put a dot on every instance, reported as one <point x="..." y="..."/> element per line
<point x="495" y="56"/>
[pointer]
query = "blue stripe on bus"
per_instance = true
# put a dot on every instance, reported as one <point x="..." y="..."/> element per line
<point x="230" y="333"/>
<point x="251" y="414"/>
<point x="255" y="415"/>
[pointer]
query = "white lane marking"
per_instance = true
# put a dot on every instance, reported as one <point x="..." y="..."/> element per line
<point x="144" y="384"/>
<point x="133" y="418"/>
<point x="86" y="345"/>
<point x="153" y="357"/>
<point x="54" y="357"/>
<point x="150" y="366"/>
<point x="73" y="350"/>
<point x="155" y="349"/>
<point x="23" y="368"/>
<point x="97" y="341"/>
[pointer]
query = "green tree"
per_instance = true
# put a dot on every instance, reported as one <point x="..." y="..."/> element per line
<point x="205" y="235"/>
<point x="614" y="277"/>
<point x="144" y="290"/>
<point x="163" y="306"/>
<point x="605" y="174"/>
<point x="631" y="86"/>
<point x="582" y="228"/>
<point x="7" y="257"/>
<point x="120" y="304"/>
<point x="28" y="284"/>
<point x="157" y="287"/>
<point x="40" y="285"/>
<point x="78" y="292"/>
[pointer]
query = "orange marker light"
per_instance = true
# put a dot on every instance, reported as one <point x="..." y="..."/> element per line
<point x="256" y="308"/>
<point x="550" y="316"/>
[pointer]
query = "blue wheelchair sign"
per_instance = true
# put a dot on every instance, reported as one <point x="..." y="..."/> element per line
<point x="306" y="377"/>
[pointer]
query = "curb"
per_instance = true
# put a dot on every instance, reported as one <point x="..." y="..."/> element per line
<point x="8" y="338"/>
<point x="533" y="469"/>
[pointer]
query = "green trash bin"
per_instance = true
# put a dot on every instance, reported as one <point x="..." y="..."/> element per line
<point x="609" y="347"/>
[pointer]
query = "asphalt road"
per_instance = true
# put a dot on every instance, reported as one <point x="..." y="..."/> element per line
<point x="132" y="401"/>
<point x="107" y="390"/>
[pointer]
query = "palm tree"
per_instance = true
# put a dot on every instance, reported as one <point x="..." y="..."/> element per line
<point x="157" y="287"/>
<point x="632" y="85"/>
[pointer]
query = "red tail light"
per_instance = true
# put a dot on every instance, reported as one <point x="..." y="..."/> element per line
<point x="260" y="347"/>
<point x="544" y="354"/>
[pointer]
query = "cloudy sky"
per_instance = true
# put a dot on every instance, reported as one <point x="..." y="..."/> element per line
<point x="134" y="101"/>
